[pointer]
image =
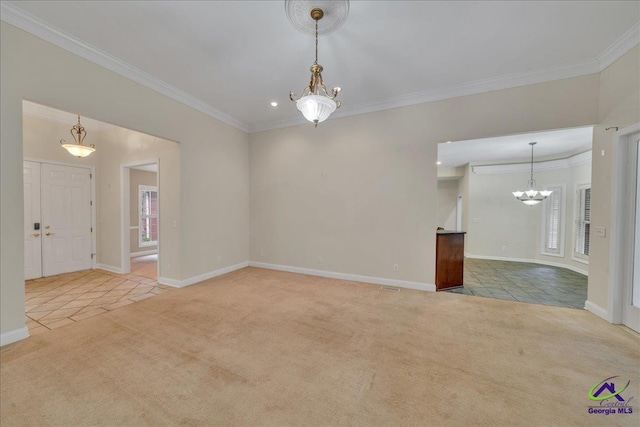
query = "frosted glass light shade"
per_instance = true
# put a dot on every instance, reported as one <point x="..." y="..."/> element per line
<point x="545" y="193"/>
<point x="531" y="193"/>
<point x="316" y="108"/>
<point x="78" y="150"/>
<point x="531" y="202"/>
<point x="518" y="193"/>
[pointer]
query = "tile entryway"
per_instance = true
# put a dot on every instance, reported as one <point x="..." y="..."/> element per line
<point x="56" y="301"/>
<point x="524" y="282"/>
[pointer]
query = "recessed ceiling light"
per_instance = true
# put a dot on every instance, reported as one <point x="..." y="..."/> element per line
<point x="274" y="104"/>
<point x="438" y="163"/>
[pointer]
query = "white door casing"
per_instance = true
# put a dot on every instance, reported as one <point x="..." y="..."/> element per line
<point x="32" y="237"/>
<point x="66" y="219"/>
<point x="631" y="289"/>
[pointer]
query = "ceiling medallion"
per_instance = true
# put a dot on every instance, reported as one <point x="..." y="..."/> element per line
<point x="315" y="103"/>
<point x="335" y="13"/>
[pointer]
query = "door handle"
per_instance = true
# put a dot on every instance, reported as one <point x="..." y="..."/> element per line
<point x="48" y="233"/>
<point x="36" y="234"/>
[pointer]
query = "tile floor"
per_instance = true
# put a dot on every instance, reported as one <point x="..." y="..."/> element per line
<point x="56" y="301"/>
<point x="525" y="282"/>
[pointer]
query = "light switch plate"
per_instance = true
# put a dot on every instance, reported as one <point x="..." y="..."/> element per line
<point x="599" y="231"/>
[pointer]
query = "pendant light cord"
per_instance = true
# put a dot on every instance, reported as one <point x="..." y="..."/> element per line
<point x="316" y="63"/>
<point x="531" y="162"/>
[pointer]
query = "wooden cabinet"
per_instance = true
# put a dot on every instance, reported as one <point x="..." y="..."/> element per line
<point x="449" y="259"/>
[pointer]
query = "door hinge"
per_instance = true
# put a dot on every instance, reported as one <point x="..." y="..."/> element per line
<point x="90" y="176"/>
<point x="92" y="229"/>
<point x="90" y="202"/>
<point x="92" y="256"/>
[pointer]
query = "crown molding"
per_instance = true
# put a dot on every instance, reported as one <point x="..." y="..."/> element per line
<point x="25" y="21"/>
<point x="507" y="81"/>
<point x="624" y="44"/>
<point x="569" y="162"/>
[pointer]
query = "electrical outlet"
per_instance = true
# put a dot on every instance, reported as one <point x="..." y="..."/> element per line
<point x="219" y="258"/>
<point x="262" y="253"/>
<point x="599" y="231"/>
<point x="319" y="260"/>
<point x="504" y="248"/>
<point x="395" y="267"/>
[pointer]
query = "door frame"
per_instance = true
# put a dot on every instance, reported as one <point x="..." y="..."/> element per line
<point x="94" y="259"/>
<point x="125" y="213"/>
<point x="620" y="262"/>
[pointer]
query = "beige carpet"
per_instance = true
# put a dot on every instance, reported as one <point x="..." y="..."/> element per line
<point x="264" y="348"/>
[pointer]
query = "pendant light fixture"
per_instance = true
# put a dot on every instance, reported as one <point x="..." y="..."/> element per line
<point x="77" y="148"/>
<point x="532" y="196"/>
<point x="315" y="103"/>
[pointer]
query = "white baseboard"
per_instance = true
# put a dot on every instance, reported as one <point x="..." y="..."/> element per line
<point x="143" y="253"/>
<point x="196" y="279"/>
<point x="14" y="336"/>
<point x="346" y="276"/>
<point x="110" y="268"/>
<point x="532" y="261"/>
<point x="597" y="310"/>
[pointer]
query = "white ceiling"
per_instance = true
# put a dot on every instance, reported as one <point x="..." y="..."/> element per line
<point x="506" y="149"/>
<point x="231" y="58"/>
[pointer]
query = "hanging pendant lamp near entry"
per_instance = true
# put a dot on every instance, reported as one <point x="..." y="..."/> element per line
<point x="532" y="196"/>
<point x="77" y="148"/>
<point x="315" y="103"/>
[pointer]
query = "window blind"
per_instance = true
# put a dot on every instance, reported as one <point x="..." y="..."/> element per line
<point x="553" y="217"/>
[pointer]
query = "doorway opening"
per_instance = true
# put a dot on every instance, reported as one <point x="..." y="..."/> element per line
<point x="78" y="240"/>
<point x="141" y="218"/>
<point x="624" y="264"/>
<point x="513" y="251"/>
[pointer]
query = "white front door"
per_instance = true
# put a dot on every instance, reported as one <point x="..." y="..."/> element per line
<point x="32" y="235"/>
<point x="66" y="219"/>
<point x="631" y="291"/>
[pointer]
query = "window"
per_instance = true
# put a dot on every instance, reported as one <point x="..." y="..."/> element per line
<point x="148" y="219"/>
<point x="583" y="221"/>
<point x="553" y="222"/>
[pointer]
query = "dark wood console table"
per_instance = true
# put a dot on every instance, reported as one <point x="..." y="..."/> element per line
<point x="449" y="259"/>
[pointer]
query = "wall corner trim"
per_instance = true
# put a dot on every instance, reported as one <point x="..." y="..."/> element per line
<point x="346" y="276"/>
<point x="14" y="336"/>
<point x="197" y="279"/>
<point x="597" y="310"/>
<point x="110" y="268"/>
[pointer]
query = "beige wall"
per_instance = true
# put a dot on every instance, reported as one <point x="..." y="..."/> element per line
<point x="619" y="93"/>
<point x="137" y="178"/>
<point x="361" y="191"/>
<point x="498" y="220"/>
<point x="120" y="146"/>
<point x="214" y="185"/>
<point x="447" y="202"/>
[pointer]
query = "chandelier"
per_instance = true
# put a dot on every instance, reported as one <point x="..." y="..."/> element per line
<point x="532" y="196"/>
<point x="76" y="148"/>
<point x="315" y="103"/>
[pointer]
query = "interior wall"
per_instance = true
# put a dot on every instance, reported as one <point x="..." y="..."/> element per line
<point x="213" y="218"/>
<point x="502" y="227"/>
<point x="447" y="203"/>
<point x="120" y="146"/>
<point x="137" y="178"/>
<point x="359" y="191"/>
<point x="619" y="94"/>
